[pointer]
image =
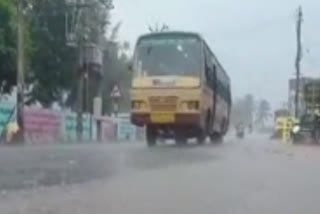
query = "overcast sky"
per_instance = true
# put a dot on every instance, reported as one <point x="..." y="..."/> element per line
<point x="253" y="39"/>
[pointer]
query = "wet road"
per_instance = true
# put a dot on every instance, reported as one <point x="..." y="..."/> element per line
<point x="250" y="176"/>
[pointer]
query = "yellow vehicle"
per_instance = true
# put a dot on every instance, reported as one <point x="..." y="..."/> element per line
<point x="179" y="88"/>
<point x="280" y="118"/>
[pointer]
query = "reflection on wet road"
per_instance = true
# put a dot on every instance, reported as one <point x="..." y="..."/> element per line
<point x="31" y="167"/>
<point x="250" y="176"/>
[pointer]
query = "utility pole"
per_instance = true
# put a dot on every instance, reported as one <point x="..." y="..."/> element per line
<point x="81" y="44"/>
<point x="80" y="76"/>
<point x="298" y="60"/>
<point x="79" y="31"/>
<point x="20" y="70"/>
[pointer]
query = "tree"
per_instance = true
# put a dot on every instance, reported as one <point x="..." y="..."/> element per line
<point x="115" y="70"/>
<point x="263" y="112"/>
<point x="243" y="110"/>
<point x="7" y="46"/>
<point x="53" y="62"/>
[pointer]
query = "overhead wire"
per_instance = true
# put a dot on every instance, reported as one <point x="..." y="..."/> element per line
<point x="257" y="28"/>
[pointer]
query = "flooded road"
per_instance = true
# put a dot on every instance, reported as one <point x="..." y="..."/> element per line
<point x="250" y="176"/>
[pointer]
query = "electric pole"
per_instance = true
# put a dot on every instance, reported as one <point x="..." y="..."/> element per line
<point x="79" y="35"/>
<point x="298" y="60"/>
<point x="80" y="76"/>
<point x="20" y="70"/>
<point x="82" y="40"/>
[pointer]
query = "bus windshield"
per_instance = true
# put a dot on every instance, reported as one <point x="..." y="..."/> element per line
<point x="166" y="56"/>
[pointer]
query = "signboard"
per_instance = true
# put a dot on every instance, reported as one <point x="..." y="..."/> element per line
<point x="126" y="131"/>
<point x="70" y="125"/>
<point x="6" y="114"/>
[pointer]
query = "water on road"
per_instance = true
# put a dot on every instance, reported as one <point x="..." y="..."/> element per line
<point x="251" y="176"/>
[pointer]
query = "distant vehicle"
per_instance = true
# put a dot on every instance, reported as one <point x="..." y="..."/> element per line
<point x="280" y="116"/>
<point x="179" y="88"/>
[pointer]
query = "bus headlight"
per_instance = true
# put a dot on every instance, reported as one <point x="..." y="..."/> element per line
<point x="190" y="105"/>
<point x="138" y="105"/>
<point x="193" y="105"/>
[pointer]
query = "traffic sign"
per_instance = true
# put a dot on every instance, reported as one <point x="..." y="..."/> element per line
<point x="115" y="93"/>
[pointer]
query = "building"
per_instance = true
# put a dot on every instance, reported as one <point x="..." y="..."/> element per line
<point x="292" y="93"/>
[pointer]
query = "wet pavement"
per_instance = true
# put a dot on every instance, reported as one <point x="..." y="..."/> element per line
<point x="251" y="176"/>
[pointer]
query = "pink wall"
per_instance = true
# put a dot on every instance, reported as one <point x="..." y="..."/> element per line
<point x="47" y="126"/>
<point x="108" y="130"/>
<point x="43" y="126"/>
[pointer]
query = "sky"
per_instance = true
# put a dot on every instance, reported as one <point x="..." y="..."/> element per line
<point x="254" y="40"/>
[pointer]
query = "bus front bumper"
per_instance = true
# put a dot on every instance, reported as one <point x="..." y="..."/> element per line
<point x="141" y="119"/>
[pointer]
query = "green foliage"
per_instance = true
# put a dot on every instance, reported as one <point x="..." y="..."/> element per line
<point x="50" y="63"/>
<point x="243" y="110"/>
<point x="7" y="46"/>
<point x="263" y="112"/>
<point x="116" y="72"/>
<point x="53" y="63"/>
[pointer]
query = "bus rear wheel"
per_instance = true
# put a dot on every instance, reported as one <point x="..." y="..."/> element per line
<point x="203" y="131"/>
<point x="151" y="136"/>
<point x="216" y="138"/>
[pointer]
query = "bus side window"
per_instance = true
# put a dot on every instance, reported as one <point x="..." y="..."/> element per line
<point x="209" y="69"/>
<point x="207" y="73"/>
<point x="214" y="75"/>
<point x="210" y="77"/>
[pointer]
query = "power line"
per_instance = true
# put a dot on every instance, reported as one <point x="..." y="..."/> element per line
<point x="257" y="28"/>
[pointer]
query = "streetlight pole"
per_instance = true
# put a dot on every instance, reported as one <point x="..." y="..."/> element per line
<point x="20" y="70"/>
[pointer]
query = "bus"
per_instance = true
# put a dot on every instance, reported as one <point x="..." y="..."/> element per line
<point x="179" y="89"/>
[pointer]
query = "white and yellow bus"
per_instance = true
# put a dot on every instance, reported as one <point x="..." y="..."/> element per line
<point x="179" y="88"/>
